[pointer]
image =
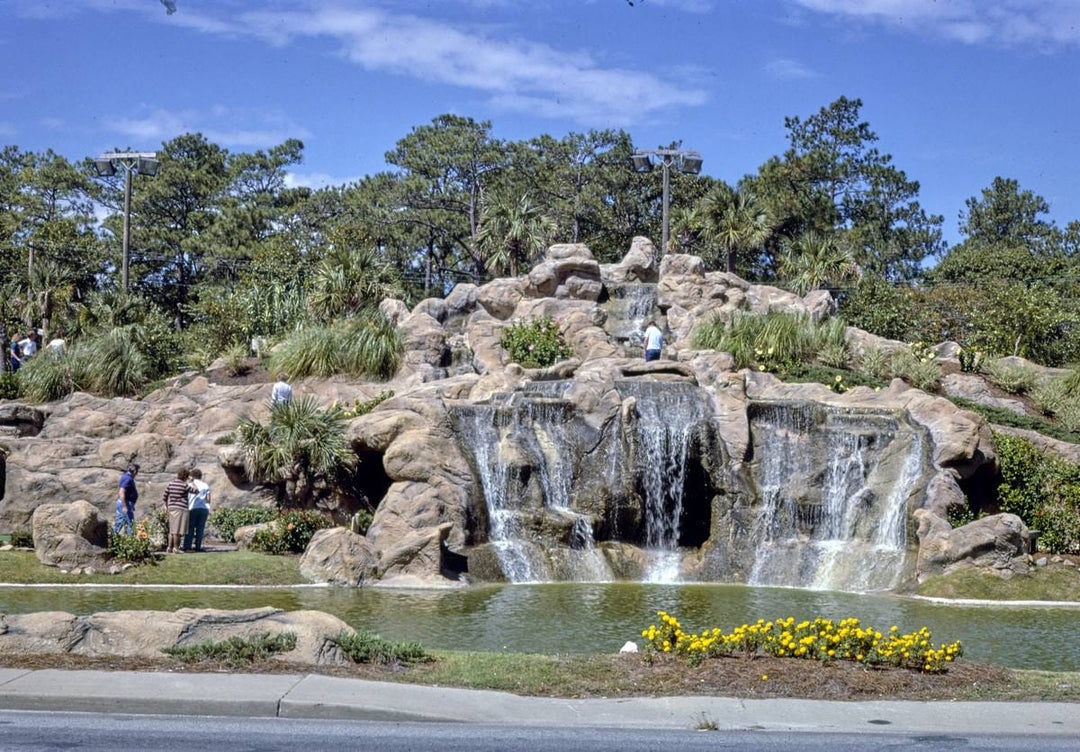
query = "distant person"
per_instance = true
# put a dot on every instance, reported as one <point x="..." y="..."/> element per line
<point x="281" y="394"/>
<point x="15" y="355"/>
<point x="28" y="345"/>
<point x="57" y="344"/>
<point x="198" y="510"/>
<point x="126" y="497"/>
<point x="654" y="341"/>
<point x="175" y="499"/>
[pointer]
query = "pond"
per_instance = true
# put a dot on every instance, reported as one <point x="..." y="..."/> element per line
<point x="590" y="618"/>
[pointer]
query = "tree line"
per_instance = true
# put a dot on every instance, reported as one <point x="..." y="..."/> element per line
<point x="222" y="248"/>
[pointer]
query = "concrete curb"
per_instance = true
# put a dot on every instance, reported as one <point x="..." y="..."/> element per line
<point x="314" y="696"/>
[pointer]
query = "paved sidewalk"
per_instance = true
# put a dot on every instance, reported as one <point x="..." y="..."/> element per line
<point x="314" y="696"/>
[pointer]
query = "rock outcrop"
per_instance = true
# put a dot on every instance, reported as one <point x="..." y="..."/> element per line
<point x="144" y="634"/>
<point x="72" y="537"/>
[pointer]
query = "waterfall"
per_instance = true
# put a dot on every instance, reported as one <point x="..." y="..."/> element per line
<point x="536" y="427"/>
<point x="630" y="308"/>
<point x="667" y="415"/>
<point x="854" y="537"/>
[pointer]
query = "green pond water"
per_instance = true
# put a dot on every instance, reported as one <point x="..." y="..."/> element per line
<point x="590" y="618"/>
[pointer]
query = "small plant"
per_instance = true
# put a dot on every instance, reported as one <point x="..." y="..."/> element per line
<point x="959" y="515"/>
<point x="365" y="647"/>
<point x="834" y="355"/>
<point x="157" y="526"/>
<point x="971" y="360"/>
<point x="1050" y="395"/>
<point x="47" y="377"/>
<point x="874" y="363"/>
<point x="705" y="722"/>
<point x="134" y="548"/>
<point x="235" y="651"/>
<point x="368" y="345"/>
<point x="919" y="367"/>
<point x="198" y="358"/>
<point x="9" y="386"/>
<point x="1012" y="378"/>
<point x="290" y="533"/>
<point x="226" y="521"/>
<point x="236" y="360"/>
<point x="226" y="439"/>
<point x="22" y="539"/>
<point x="363" y="408"/>
<point x="535" y="343"/>
<point x="360" y="522"/>
<point x="838" y="385"/>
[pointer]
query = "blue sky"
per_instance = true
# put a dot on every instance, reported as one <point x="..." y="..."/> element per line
<point x="958" y="90"/>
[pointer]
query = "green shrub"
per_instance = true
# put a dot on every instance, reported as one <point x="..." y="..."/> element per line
<point x="365" y="647"/>
<point x="360" y="522"/>
<point x="1044" y="491"/>
<point x="1010" y="377"/>
<point x="535" y="343"/>
<point x="235" y="651"/>
<point x="873" y="363"/>
<point x="837" y="379"/>
<point x="1049" y="395"/>
<point x="771" y="342"/>
<point x="959" y="515"/>
<point x="226" y="521"/>
<point x="971" y="360"/>
<point x="363" y="408"/>
<point x="1008" y="418"/>
<point x="22" y="539"/>
<point x="9" y="385"/>
<point x="918" y="367"/>
<point x="236" y="360"/>
<point x="47" y="377"/>
<point x="368" y="345"/>
<point x="834" y="356"/>
<point x="290" y="533"/>
<point x="111" y="365"/>
<point x="135" y="548"/>
<point x="225" y="439"/>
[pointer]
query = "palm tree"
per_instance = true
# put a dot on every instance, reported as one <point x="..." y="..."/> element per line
<point x="735" y="220"/>
<point x="814" y="259"/>
<point x="351" y="277"/>
<point x="51" y="286"/>
<point x="300" y="444"/>
<point x="513" y="231"/>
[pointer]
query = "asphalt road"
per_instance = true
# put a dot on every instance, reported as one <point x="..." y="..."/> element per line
<point x="124" y="733"/>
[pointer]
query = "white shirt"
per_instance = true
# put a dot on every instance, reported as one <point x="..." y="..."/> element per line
<point x="654" y="338"/>
<point x="281" y="392"/>
<point x="28" y="347"/>
<point x="56" y="345"/>
<point x="201" y="498"/>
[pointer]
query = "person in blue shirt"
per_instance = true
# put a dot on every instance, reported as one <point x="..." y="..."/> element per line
<point x="15" y="355"/>
<point x="126" y="497"/>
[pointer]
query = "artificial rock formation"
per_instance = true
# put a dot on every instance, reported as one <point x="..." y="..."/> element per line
<point x="599" y="467"/>
<point x="72" y="537"/>
<point x="144" y="634"/>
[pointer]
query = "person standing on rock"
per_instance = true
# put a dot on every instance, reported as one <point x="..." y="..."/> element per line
<point x="281" y="394"/>
<point x="654" y="341"/>
<point x="126" y="497"/>
<point x="198" y="510"/>
<point x="175" y="499"/>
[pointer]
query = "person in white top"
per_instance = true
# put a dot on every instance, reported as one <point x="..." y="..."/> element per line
<point x="57" y="343"/>
<point x="281" y="394"/>
<point x="29" y="345"/>
<point x="654" y="341"/>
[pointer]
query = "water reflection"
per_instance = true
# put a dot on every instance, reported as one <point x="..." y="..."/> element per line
<point x="582" y="618"/>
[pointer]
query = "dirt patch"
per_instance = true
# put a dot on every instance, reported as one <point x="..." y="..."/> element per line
<point x="630" y="675"/>
<point x="256" y="373"/>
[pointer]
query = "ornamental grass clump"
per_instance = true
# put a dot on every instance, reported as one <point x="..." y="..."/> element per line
<point x="1010" y="377"/>
<point x="535" y="343"/>
<point x="365" y="647"/>
<point x="821" y="639"/>
<point x="236" y="651"/>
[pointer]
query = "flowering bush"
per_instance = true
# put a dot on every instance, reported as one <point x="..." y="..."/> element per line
<point x="364" y="407"/>
<point x="135" y="548"/>
<point x="535" y="343"/>
<point x="289" y="532"/>
<point x="820" y="639"/>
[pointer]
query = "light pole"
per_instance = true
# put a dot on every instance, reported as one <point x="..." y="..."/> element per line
<point x="684" y="160"/>
<point x="142" y="162"/>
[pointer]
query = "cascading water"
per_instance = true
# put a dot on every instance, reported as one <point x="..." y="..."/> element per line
<point x="629" y="310"/>
<point x="667" y="415"/>
<point x="536" y="426"/>
<point x="854" y="537"/>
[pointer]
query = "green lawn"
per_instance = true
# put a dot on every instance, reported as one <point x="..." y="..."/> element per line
<point x="1055" y="583"/>
<point x="213" y="568"/>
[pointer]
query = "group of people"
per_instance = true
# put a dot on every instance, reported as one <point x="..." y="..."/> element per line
<point x="22" y="350"/>
<point x="186" y="500"/>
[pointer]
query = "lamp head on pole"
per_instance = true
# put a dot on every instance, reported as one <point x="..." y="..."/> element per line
<point x="642" y="163"/>
<point x="691" y="164"/>
<point x="148" y="166"/>
<point x="104" y="167"/>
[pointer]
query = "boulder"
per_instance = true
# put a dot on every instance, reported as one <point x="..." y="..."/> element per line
<point x="243" y="536"/>
<point x="501" y="296"/>
<point x="144" y="634"/>
<point x="424" y="339"/>
<point x="436" y="308"/>
<point x="415" y="558"/>
<point x="998" y="542"/>
<point x="394" y="310"/>
<point x="640" y="264"/>
<point x="462" y="300"/>
<point x="1056" y="447"/>
<point x="971" y="387"/>
<point x="340" y="557"/>
<point x="71" y="536"/>
<point x="20" y="420"/>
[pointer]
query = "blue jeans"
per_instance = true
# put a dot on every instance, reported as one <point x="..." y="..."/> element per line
<point x="125" y="517"/>
<point x="196" y="526"/>
<point x="652" y="355"/>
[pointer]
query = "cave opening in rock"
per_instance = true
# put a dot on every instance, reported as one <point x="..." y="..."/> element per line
<point x="695" y="521"/>
<point x="368" y="483"/>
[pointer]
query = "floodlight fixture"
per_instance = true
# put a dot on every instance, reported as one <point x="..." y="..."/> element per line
<point x="688" y="161"/>
<point x="642" y="163"/>
<point x="142" y="162"/>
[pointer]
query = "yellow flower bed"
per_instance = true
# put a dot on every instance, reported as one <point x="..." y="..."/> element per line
<point x="820" y="639"/>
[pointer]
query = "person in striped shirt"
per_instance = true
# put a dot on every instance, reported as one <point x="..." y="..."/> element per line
<point x="175" y="499"/>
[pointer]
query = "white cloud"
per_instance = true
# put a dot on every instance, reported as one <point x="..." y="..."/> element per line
<point x="1041" y="23"/>
<point x="514" y="73"/>
<point x="316" y="180"/>
<point x="218" y="123"/>
<point x="786" y="69"/>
